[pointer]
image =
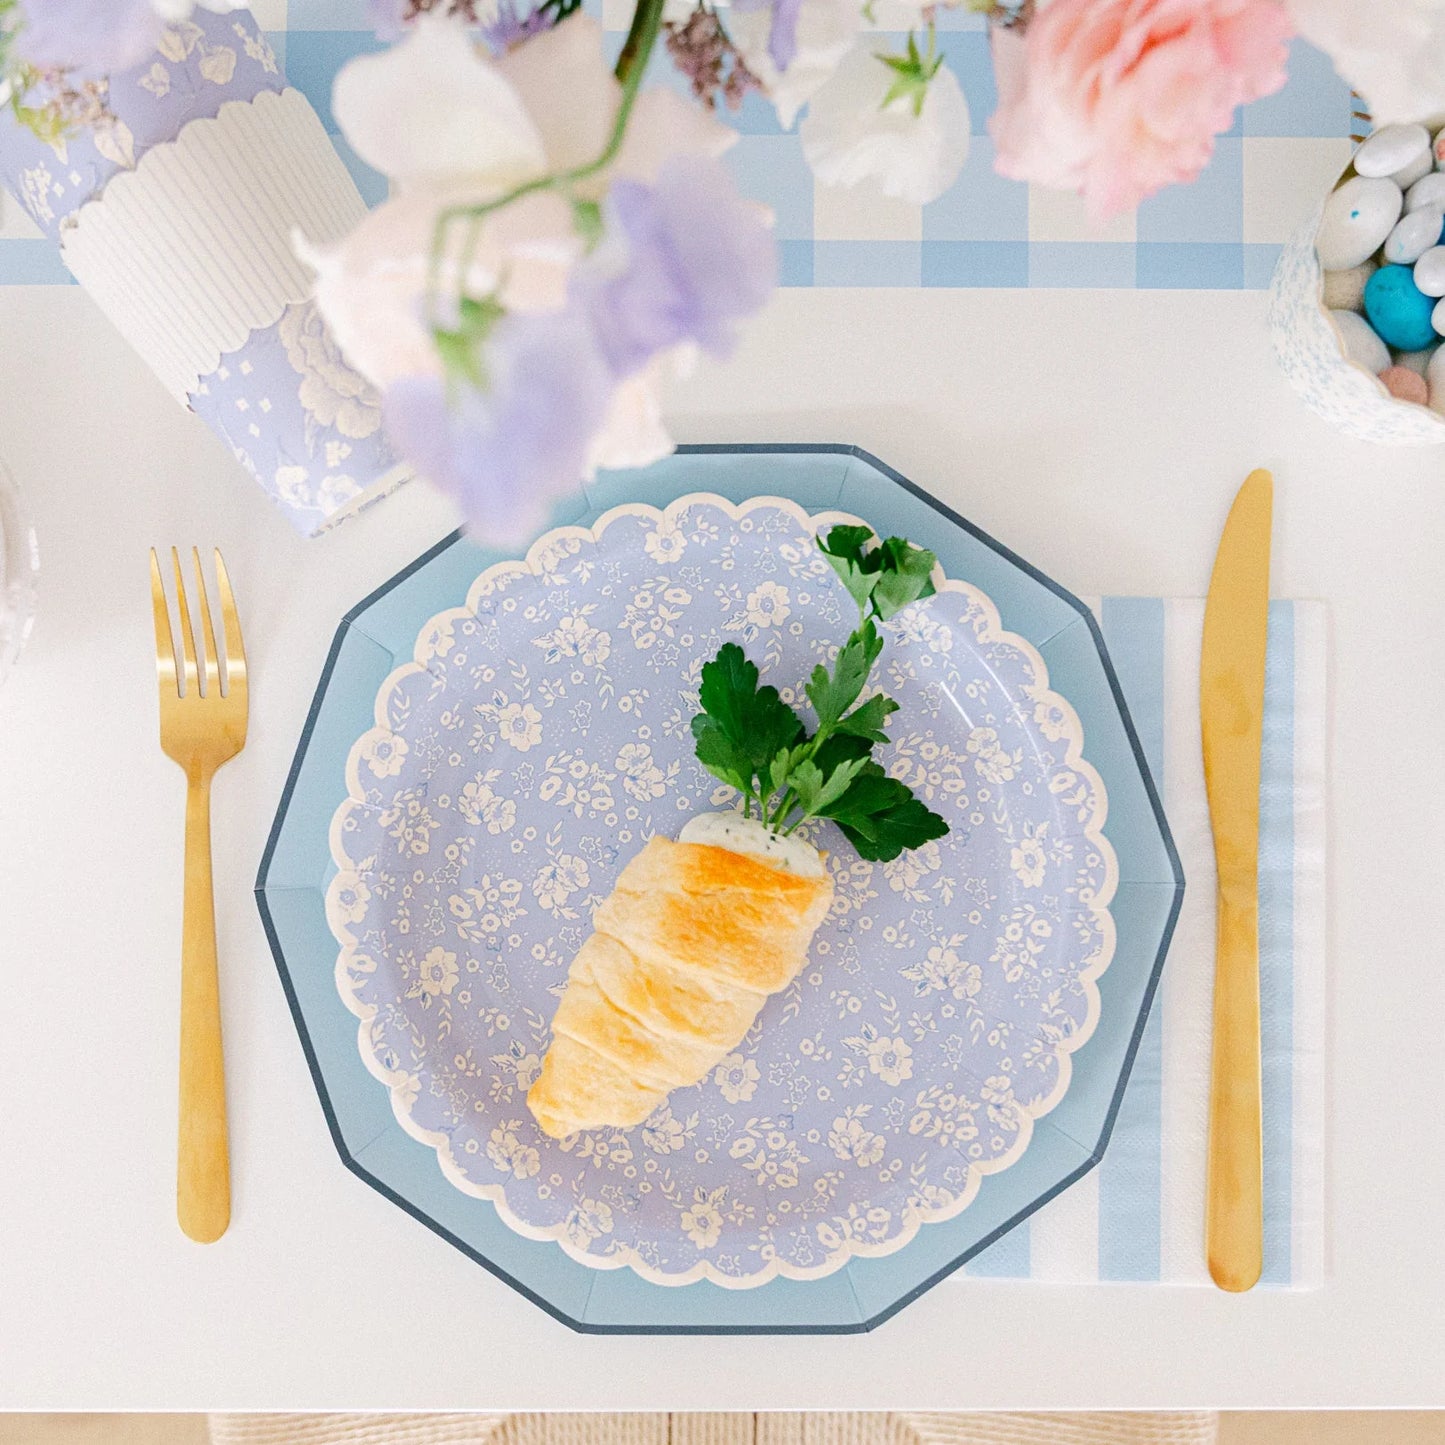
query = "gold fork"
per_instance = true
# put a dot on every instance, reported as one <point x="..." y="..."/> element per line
<point x="201" y="728"/>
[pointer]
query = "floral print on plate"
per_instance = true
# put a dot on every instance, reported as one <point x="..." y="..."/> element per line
<point x="541" y="735"/>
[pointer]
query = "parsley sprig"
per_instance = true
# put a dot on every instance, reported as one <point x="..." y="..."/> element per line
<point x="751" y="739"/>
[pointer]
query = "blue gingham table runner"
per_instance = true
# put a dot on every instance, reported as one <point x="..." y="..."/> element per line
<point x="1140" y="1214"/>
<point x="1222" y="232"/>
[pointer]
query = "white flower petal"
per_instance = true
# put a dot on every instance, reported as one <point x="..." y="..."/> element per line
<point x="633" y="434"/>
<point x="567" y="87"/>
<point x="371" y="286"/>
<point x="826" y="30"/>
<point x="850" y="136"/>
<point x="664" y="124"/>
<point x="431" y="108"/>
<point x="1393" y="54"/>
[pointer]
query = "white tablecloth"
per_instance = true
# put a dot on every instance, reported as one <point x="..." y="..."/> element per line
<point x="1099" y="434"/>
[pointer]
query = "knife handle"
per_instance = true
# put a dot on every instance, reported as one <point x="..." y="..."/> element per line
<point x="1234" y="1213"/>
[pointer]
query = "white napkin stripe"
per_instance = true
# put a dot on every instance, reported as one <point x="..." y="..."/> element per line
<point x="1310" y="1232"/>
<point x="1187" y="991"/>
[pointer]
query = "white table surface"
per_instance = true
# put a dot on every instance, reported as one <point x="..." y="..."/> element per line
<point x="1101" y="435"/>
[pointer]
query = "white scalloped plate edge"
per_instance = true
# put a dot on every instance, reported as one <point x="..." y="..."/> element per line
<point x="625" y="1256"/>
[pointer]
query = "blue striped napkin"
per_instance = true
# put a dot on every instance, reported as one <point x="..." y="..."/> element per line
<point x="1140" y="1214"/>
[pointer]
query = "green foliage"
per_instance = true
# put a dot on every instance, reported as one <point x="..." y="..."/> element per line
<point x="461" y="348"/>
<point x="747" y="736"/>
<point x="912" y="71"/>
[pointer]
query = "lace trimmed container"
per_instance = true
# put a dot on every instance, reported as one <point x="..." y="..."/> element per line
<point x="1312" y="352"/>
<point x="173" y="203"/>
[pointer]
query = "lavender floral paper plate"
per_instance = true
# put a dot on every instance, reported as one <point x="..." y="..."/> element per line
<point x="540" y="735"/>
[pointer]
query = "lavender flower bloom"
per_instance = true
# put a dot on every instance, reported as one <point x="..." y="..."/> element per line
<point x="783" y="34"/>
<point x="695" y="259"/>
<point x="508" y="450"/>
<point x="89" y="37"/>
<point x="506" y="29"/>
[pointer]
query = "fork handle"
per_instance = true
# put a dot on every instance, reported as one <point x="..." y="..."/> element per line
<point x="203" y="1175"/>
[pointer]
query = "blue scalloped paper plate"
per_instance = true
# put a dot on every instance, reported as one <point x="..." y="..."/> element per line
<point x="381" y="633"/>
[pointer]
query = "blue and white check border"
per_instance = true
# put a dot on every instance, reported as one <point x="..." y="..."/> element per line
<point x="1222" y="232"/>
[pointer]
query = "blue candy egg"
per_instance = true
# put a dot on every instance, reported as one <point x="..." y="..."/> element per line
<point x="1399" y="310"/>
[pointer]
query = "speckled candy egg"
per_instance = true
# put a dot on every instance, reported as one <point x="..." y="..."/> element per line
<point x="1430" y="270"/>
<point x="1405" y="385"/>
<point x="1414" y="234"/>
<point x="1435" y="380"/>
<point x="1397" y="151"/>
<point x="1398" y="310"/>
<point x="1429" y="191"/>
<point x="1345" y="290"/>
<point x="1362" y="346"/>
<point x="1356" y="220"/>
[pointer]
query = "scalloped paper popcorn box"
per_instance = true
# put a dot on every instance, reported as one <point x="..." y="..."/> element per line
<point x="1311" y="350"/>
<point x="174" y="206"/>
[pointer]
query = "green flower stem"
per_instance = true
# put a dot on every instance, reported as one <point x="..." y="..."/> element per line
<point x="631" y="64"/>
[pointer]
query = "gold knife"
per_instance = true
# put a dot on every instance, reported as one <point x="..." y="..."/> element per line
<point x="1231" y="700"/>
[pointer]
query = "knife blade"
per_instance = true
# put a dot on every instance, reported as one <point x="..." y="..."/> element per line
<point x="1231" y="699"/>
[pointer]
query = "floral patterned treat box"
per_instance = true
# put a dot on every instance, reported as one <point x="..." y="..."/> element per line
<point x="172" y="190"/>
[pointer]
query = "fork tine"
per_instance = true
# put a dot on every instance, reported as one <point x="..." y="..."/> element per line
<point x="188" y="639"/>
<point x="231" y="626"/>
<point x="165" y="642"/>
<point x="211" y="657"/>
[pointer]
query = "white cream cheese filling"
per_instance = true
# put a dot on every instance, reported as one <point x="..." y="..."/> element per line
<point x="754" y="839"/>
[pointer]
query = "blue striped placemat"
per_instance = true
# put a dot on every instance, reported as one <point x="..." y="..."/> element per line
<point x="1222" y="232"/>
<point x="1140" y="1214"/>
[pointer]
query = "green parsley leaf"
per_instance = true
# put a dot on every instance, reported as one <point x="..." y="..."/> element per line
<point x="881" y="817"/>
<point x="815" y="792"/>
<point x="846" y="540"/>
<point x="751" y="739"/>
<point x="728" y="681"/>
<point x="779" y="769"/>
<point x="832" y="694"/>
<point x="843" y="547"/>
<point x="866" y="721"/>
<point x="885" y="579"/>
<point x="754" y="721"/>
<point x="906" y="576"/>
<point x="873" y="791"/>
<point x="721" y="756"/>
<point x="838" y="748"/>
<point x="908" y="825"/>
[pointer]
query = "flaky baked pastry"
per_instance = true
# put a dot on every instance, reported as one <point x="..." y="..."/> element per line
<point x="683" y="954"/>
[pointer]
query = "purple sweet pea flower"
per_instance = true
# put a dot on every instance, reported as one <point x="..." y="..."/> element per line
<point x="507" y="29"/>
<point x="508" y="450"/>
<point x="90" y="37"/>
<point x="783" y="33"/>
<point x="696" y="259"/>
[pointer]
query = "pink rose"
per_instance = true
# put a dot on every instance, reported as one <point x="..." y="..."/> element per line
<point x="1117" y="98"/>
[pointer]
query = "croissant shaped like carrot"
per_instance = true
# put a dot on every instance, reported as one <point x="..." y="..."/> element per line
<point x="683" y="954"/>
